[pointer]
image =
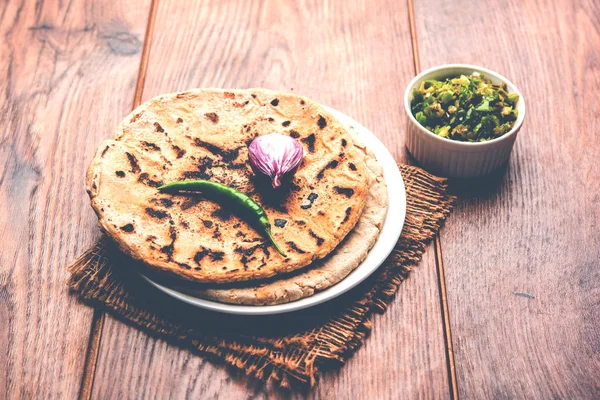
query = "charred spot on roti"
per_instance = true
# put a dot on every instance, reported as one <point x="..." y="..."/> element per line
<point x="205" y="164"/>
<point x="135" y="117"/>
<point x="280" y="223"/>
<point x="348" y="192"/>
<point x="213" y="255"/>
<point x="168" y="250"/>
<point x="168" y="203"/>
<point x="331" y="165"/>
<point x="237" y="166"/>
<point x="275" y="102"/>
<point x="200" y="255"/>
<point x="265" y="248"/>
<point x="212" y="117"/>
<point x="183" y="95"/>
<point x="165" y="202"/>
<point x="347" y="216"/>
<point x="319" y="239"/>
<point x="229" y="95"/>
<point x="179" y="120"/>
<point x="158" y="127"/>
<point x="306" y="204"/>
<point x="149" y="146"/>
<point x="294" y="134"/>
<point x="344" y="142"/>
<point x="271" y="119"/>
<point x="158" y="214"/>
<point x="178" y="150"/>
<point x="128" y="228"/>
<point x="184" y="224"/>
<point x="104" y="151"/>
<point x="145" y="179"/>
<point x="252" y="249"/>
<point x="135" y="167"/>
<point x="310" y="142"/>
<point x="322" y="122"/>
<point x="302" y="102"/>
<point x="241" y="105"/>
<point x="207" y="223"/>
<point x="352" y="166"/>
<point x="295" y="247"/>
<point x="286" y="123"/>
<point x="226" y="155"/>
<point x="195" y="175"/>
<point x="253" y="95"/>
<point x="120" y="174"/>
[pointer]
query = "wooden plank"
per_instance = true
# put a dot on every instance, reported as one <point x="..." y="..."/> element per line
<point x="67" y="73"/>
<point x="521" y="249"/>
<point x="344" y="60"/>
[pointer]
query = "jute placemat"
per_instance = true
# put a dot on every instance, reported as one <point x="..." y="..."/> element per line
<point x="289" y="349"/>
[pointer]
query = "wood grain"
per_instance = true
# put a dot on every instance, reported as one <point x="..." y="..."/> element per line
<point x="343" y="60"/>
<point x="521" y="251"/>
<point x="67" y="73"/>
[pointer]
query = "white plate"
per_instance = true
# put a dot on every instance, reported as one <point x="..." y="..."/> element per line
<point x="390" y="232"/>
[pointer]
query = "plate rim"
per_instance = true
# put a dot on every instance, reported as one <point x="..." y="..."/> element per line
<point x="382" y="248"/>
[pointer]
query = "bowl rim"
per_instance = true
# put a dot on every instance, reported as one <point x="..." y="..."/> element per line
<point x="455" y="143"/>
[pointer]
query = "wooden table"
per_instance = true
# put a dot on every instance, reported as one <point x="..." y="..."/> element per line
<point x="505" y="304"/>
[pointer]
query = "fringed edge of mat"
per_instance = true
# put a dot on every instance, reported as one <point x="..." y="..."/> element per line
<point x="290" y="361"/>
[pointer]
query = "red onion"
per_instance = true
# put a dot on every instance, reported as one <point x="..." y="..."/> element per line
<point x="275" y="155"/>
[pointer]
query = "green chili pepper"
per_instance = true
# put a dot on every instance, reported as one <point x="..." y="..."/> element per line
<point x="240" y="202"/>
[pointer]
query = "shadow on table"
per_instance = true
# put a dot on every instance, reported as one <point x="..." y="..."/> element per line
<point x="482" y="188"/>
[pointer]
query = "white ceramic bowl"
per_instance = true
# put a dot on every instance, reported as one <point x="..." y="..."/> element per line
<point x="453" y="158"/>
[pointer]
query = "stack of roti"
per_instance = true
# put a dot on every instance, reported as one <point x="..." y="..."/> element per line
<point x="326" y="216"/>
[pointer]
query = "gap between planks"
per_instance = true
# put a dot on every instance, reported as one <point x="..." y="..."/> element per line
<point x="93" y="349"/>
<point x="439" y="262"/>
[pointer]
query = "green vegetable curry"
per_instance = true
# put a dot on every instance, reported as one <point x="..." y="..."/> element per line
<point x="465" y="108"/>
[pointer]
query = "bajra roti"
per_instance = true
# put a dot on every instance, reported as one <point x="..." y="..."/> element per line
<point x="204" y="134"/>
<point x="321" y="274"/>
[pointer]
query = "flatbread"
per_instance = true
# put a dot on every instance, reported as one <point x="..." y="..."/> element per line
<point x="204" y="134"/>
<point x="321" y="274"/>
